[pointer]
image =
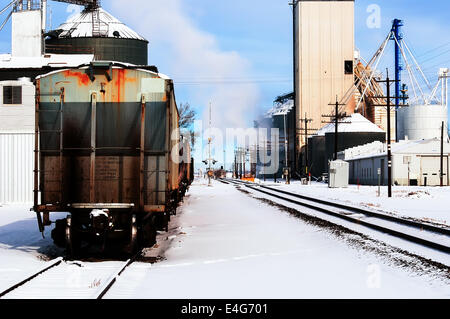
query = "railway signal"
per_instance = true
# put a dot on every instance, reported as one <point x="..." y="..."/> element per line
<point x="209" y="160"/>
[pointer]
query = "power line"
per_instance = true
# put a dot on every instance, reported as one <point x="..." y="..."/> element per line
<point x="434" y="57"/>
<point x="432" y="50"/>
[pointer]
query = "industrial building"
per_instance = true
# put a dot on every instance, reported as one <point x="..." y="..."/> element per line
<point x="282" y="117"/>
<point x="355" y="130"/>
<point x="89" y="36"/>
<point x="17" y="111"/>
<point x="93" y="34"/>
<point x="415" y="163"/>
<point x="108" y="39"/>
<point x="17" y="105"/>
<point x="323" y="60"/>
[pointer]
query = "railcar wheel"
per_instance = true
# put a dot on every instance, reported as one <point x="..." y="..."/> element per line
<point x="59" y="233"/>
<point x="148" y="233"/>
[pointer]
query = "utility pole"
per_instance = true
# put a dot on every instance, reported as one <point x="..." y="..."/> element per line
<point x="306" y="132"/>
<point x="388" y="98"/>
<point x="209" y="160"/>
<point x="335" y="118"/>
<point x="441" y="175"/>
<point x="286" y="167"/>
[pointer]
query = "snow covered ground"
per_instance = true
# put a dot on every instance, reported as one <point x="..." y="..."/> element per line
<point x="22" y="248"/>
<point x="224" y="243"/>
<point x="430" y="204"/>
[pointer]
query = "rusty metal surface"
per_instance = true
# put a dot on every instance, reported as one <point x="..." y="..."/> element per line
<point x="115" y="140"/>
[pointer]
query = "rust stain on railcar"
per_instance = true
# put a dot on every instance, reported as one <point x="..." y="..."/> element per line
<point x="120" y="84"/>
<point x="83" y="78"/>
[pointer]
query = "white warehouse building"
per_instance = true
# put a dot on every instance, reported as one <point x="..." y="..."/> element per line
<point x="415" y="163"/>
<point x="17" y="114"/>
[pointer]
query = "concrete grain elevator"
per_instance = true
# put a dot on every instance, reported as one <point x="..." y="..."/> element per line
<point x="323" y="61"/>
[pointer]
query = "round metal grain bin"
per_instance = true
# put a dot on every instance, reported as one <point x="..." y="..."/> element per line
<point x="105" y="49"/>
<point x="111" y="40"/>
<point x="418" y="122"/>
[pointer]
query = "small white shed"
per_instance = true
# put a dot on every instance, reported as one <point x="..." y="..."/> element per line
<point x="338" y="174"/>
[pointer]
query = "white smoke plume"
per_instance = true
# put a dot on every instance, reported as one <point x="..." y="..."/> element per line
<point x="193" y="55"/>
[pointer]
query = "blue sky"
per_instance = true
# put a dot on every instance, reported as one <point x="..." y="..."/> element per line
<point x="245" y="47"/>
<point x="260" y="32"/>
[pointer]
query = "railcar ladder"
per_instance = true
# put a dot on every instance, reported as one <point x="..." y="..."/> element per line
<point x="38" y="153"/>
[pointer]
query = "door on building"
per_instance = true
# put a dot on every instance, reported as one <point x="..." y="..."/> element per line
<point x="382" y="170"/>
<point x="429" y="170"/>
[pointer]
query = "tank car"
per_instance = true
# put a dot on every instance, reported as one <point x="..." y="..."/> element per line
<point x="105" y="135"/>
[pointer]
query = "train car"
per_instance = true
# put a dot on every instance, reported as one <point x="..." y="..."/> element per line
<point x="185" y="160"/>
<point x="105" y="134"/>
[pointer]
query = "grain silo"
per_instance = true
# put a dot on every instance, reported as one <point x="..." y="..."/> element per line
<point x="419" y="122"/>
<point x="323" y="57"/>
<point x="422" y="121"/>
<point x="95" y="31"/>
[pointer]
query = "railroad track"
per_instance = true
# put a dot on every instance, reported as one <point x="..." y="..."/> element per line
<point x="54" y="272"/>
<point x="427" y="235"/>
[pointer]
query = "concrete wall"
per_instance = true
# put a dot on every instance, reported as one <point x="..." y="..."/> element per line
<point x="325" y="41"/>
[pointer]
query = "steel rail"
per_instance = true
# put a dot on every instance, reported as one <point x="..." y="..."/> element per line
<point x="58" y="261"/>
<point x="383" y="229"/>
<point x="54" y="263"/>
<point x="418" y="225"/>
<point x="114" y="278"/>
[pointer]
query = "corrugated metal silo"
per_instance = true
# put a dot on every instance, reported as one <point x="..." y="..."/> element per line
<point x="110" y="40"/>
<point x="418" y="122"/>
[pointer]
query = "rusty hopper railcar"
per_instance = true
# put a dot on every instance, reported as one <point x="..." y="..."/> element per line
<point x="105" y="134"/>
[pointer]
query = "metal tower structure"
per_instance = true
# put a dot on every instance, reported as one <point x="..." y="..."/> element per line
<point x="90" y="4"/>
<point x="397" y="37"/>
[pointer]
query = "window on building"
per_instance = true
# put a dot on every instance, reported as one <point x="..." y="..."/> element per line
<point x="12" y="95"/>
<point x="348" y="67"/>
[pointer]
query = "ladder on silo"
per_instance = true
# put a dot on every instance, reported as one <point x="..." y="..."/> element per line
<point x="96" y="23"/>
